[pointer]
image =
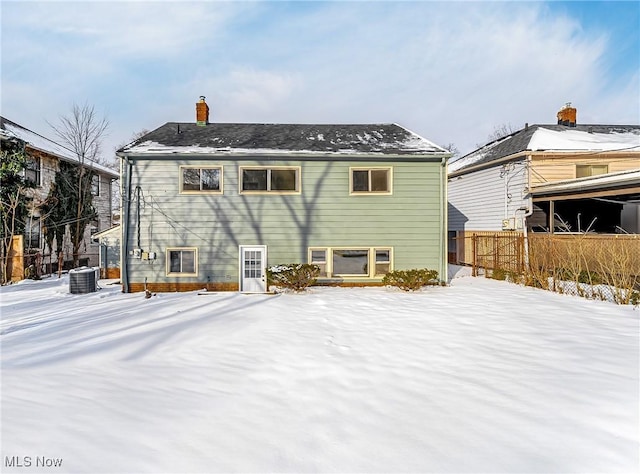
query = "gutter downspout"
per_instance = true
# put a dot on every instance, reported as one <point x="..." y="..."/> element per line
<point x="127" y="167"/>
<point x="444" y="225"/>
<point x="528" y="213"/>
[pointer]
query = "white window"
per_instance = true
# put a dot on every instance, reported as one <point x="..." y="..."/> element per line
<point x="182" y="261"/>
<point x="200" y="180"/>
<point x="370" y="180"/>
<point x="382" y="261"/>
<point x="279" y="180"/>
<point x="95" y="185"/>
<point x="367" y="262"/>
<point x="319" y="257"/>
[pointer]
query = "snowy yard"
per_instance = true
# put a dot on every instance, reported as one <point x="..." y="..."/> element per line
<point x="480" y="376"/>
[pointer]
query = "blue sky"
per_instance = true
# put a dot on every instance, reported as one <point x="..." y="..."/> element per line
<point x="450" y="71"/>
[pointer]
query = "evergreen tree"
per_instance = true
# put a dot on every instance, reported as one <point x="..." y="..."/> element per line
<point x="69" y="204"/>
<point x="14" y="202"/>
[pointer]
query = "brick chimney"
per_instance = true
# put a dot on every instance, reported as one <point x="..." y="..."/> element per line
<point x="202" y="112"/>
<point x="567" y="115"/>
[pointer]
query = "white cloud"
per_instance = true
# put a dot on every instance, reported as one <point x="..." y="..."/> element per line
<point x="449" y="71"/>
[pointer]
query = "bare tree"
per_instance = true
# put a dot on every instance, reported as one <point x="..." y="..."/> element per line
<point x="500" y="131"/>
<point x="117" y="193"/>
<point x="82" y="132"/>
<point x="134" y="137"/>
<point x="453" y="149"/>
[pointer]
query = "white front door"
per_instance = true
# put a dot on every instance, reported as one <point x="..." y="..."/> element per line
<point x="253" y="268"/>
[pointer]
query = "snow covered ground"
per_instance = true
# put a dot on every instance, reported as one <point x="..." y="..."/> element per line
<point x="480" y="376"/>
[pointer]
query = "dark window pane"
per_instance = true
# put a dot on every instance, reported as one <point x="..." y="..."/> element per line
<point x="318" y="256"/>
<point x="190" y="179"/>
<point x="283" y="180"/>
<point x="32" y="171"/>
<point x="210" y="179"/>
<point x="32" y="234"/>
<point x="379" y="181"/>
<point x="350" y="262"/>
<point x="174" y="261"/>
<point x="254" y="180"/>
<point x="382" y="256"/>
<point x="360" y="181"/>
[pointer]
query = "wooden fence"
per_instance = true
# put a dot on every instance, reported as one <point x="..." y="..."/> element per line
<point x="23" y="264"/>
<point x="593" y="265"/>
<point x="506" y="251"/>
<point x="491" y="250"/>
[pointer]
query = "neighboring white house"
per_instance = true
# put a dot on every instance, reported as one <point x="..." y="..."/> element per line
<point x="549" y="178"/>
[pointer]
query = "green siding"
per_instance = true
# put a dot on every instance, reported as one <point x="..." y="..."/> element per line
<point x="324" y="215"/>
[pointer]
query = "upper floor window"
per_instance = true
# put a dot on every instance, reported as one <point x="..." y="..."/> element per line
<point x="200" y="179"/>
<point x="370" y="180"/>
<point x="281" y="180"/>
<point x="33" y="170"/>
<point x="95" y="185"/>
<point x="583" y="171"/>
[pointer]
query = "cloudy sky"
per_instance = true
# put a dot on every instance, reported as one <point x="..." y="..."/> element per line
<point x="450" y="71"/>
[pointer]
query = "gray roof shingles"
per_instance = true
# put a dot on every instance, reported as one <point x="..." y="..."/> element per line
<point x="369" y="138"/>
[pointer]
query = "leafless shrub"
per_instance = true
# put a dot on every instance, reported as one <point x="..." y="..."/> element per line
<point x="602" y="268"/>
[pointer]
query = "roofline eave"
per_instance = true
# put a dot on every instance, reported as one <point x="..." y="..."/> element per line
<point x="93" y="166"/>
<point x="488" y="164"/>
<point x="293" y="156"/>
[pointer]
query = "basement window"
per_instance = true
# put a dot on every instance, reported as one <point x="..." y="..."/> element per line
<point x="319" y="257"/>
<point x="363" y="262"/>
<point x="182" y="261"/>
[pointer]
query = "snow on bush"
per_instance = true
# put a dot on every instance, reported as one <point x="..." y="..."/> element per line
<point x="293" y="276"/>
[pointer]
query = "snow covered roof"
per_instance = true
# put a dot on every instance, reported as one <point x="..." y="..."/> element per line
<point x="557" y="138"/>
<point x="111" y="230"/>
<point x="9" y="129"/>
<point x="252" y="138"/>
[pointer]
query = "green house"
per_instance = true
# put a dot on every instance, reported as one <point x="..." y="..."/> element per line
<point x="212" y="205"/>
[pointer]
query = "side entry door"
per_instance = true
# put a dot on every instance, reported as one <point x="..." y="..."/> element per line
<point x="253" y="268"/>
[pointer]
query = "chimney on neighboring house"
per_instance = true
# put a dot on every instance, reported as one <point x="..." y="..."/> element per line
<point x="567" y="115"/>
<point x="202" y="112"/>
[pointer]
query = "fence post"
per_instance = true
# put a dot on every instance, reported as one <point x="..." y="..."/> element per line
<point x="474" y="254"/>
<point x="496" y="253"/>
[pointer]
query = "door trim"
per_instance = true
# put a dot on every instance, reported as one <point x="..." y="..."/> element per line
<point x="263" y="249"/>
